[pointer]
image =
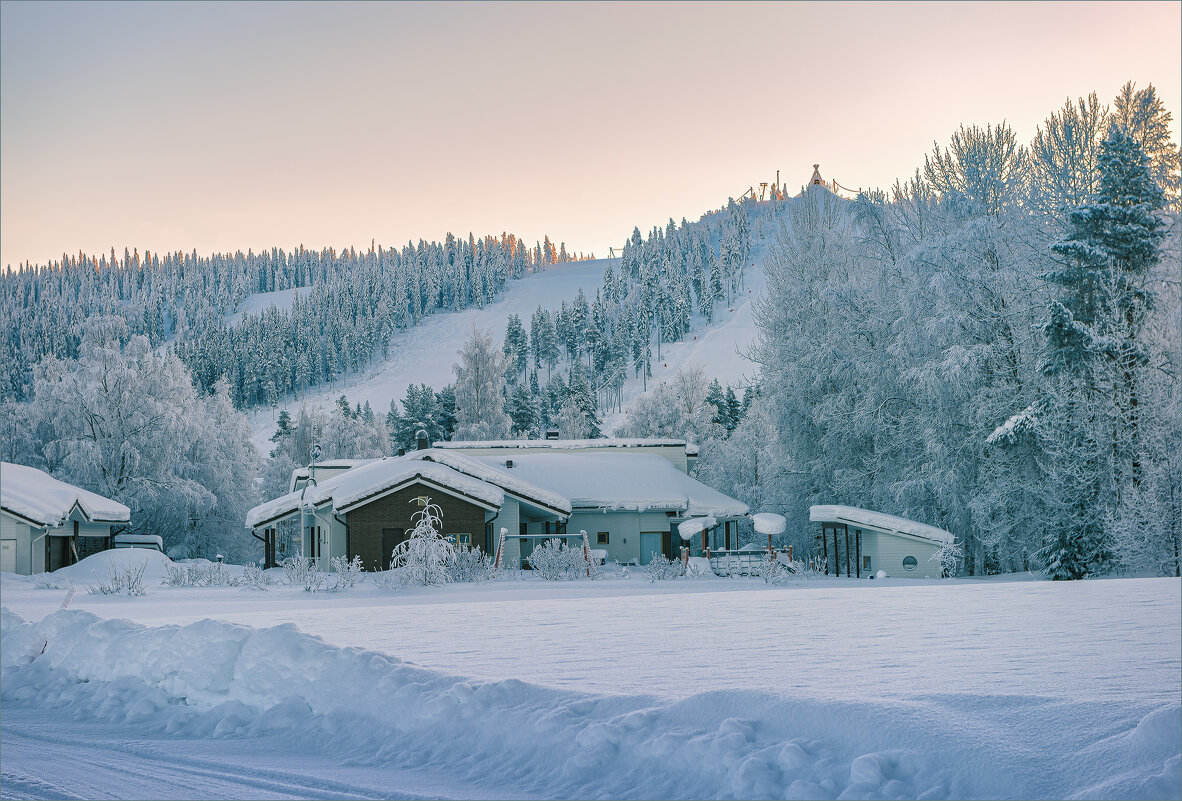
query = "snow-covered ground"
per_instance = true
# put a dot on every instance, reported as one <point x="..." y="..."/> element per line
<point x="425" y="353"/>
<point x="723" y="688"/>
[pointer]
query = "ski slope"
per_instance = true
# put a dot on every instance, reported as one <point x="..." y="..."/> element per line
<point x="426" y="352"/>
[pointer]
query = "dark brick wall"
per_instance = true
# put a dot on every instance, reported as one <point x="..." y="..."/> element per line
<point x="88" y="546"/>
<point x="395" y="510"/>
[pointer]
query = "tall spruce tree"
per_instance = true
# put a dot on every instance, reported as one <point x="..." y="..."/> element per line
<point x="1095" y="355"/>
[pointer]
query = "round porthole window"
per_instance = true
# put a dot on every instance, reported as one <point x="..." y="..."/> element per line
<point x="909" y="562"/>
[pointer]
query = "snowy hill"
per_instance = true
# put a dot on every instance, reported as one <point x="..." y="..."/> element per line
<point x="425" y="353"/>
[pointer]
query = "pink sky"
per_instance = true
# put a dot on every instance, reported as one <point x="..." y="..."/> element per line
<point x="223" y="126"/>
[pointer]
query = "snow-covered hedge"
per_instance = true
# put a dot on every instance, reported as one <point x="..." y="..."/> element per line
<point x="554" y="560"/>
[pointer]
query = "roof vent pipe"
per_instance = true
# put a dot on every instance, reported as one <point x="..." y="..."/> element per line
<point x="508" y="463"/>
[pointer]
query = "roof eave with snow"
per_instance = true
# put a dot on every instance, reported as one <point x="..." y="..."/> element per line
<point x="879" y="521"/>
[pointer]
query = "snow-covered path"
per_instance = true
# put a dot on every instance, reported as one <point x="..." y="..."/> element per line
<point x="100" y="760"/>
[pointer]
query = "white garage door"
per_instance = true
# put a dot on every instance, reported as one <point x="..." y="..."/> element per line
<point x="8" y="556"/>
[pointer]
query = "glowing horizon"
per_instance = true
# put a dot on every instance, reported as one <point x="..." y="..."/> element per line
<point x="224" y="126"/>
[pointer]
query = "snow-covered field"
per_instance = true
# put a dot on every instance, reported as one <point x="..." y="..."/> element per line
<point x="425" y="353"/>
<point x="705" y="687"/>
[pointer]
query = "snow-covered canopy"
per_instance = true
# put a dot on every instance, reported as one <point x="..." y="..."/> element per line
<point x="620" y="482"/>
<point x="878" y="520"/>
<point x="352" y="486"/>
<point x="769" y="523"/>
<point x="688" y="528"/>
<point x="35" y="495"/>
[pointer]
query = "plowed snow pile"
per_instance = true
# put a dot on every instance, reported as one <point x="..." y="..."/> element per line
<point x="280" y="695"/>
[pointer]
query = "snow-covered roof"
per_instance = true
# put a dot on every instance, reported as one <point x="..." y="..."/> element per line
<point x="878" y="520"/>
<point x="565" y="444"/>
<point x="505" y="478"/>
<point x="617" y="481"/>
<point x="35" y="495"/>
<point x="558" y="481"/>
<point x="328" y="466"/>
<point x="372" y="478"/>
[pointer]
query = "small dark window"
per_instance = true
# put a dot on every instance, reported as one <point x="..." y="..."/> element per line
<point x="601" y="538"/>
<point x="910" y="562"/>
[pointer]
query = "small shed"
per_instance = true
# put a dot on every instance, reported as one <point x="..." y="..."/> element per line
<point x="859" y="542"/>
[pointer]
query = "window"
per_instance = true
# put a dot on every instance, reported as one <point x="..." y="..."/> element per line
<point x="865" y="562"/>
<point x="464" y="539"/>
<point x="601" y="538"/>
<point x="910" y="562"/>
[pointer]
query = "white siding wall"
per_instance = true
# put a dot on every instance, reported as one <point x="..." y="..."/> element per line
<point x="891" y="549"/>
<point x="623" y="530"/>
<point x="19" y="533"/>
<point x="508" y="518"/>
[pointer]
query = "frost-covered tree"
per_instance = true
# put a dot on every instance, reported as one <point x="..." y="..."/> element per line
<point x="1141" y="115"/>
<point x="1096" y="360"/>
<point x="426" y="555"/>
<point x="125" y="421"/>
<point x="677" y="408"/>
<point x="479" y="383"/>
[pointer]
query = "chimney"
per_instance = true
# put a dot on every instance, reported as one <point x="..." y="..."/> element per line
<point x="421" y="440"/>
<point x="551" y="435"/>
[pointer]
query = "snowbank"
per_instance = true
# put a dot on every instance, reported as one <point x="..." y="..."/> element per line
<point x="101" y="565"/>
<point x="212" y="679"/>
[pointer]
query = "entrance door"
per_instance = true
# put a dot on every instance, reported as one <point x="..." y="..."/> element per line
<point x="8" y="556"/>
<point x="650" y="543"/>
<point x="58" y="553"/>
<point x="391" y="537"/>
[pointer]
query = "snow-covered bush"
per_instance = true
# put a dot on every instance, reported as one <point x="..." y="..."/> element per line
<point x="346" y="573"/>
<point x="552" y="560"/>
<point x="471" y="565"/>
<point x="661" y="568"/>
<point x="615" y="569"/>
<point x="302" y="570"/>
<point x="950" y="557"/>
<point x="773" y="571"/>
<point x="128" y="579"/>
<point x="198" y="574"/>
<point x="296" y="567"/>
<point x="255" y="578"/>
<point x="426" y="555"/>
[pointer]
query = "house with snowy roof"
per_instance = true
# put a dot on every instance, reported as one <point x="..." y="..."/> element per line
<point x="46" y="524"/>
<point x="628" y="495"/>
<point x="859" y="542"/>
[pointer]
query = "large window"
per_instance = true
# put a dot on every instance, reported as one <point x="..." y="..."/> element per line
<point x="910" y="562"/>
